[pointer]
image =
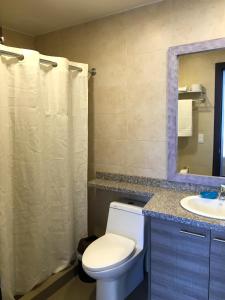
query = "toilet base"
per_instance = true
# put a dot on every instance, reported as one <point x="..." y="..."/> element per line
<point x="110" y="289"/>
<point x="121" y="287"/>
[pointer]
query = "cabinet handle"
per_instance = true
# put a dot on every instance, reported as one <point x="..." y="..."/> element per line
<point x="193" y="233"/>
<point x="219" y="240"/>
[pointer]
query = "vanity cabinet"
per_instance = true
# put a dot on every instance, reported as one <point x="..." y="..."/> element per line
<point x="217" y="266"/>
<point x="179" y="262"/>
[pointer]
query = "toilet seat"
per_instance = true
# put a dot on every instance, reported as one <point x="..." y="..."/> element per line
<point x="108" y="251"/>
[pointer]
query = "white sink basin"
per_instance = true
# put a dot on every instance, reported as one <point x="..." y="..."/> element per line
<point x="212" y="208"/>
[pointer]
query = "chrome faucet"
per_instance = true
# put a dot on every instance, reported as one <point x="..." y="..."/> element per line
<point x="222" y="192"/>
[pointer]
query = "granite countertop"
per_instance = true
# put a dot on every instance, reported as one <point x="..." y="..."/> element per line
<point x="164" y="203"/>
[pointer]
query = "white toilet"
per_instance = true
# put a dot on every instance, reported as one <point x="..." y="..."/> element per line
<point x="116" y="260"/>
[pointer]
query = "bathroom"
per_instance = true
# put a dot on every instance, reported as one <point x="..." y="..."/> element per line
<point x="103" y="126"/>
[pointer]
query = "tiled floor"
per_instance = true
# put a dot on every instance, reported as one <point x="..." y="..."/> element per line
<point x="78" y="290"/>
<point x="53" y="283"/>
<point x="75" y="290"/>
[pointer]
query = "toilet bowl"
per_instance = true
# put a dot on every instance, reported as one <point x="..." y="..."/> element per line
<point x="116" y="260"/>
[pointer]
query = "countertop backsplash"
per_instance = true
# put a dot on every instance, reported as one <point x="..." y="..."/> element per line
<point x="147" y="181"/>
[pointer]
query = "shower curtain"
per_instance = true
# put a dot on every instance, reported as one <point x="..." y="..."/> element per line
<point x="43" y="167"/>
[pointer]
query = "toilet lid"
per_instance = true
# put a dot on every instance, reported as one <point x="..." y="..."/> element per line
<point x="107" y="251"/>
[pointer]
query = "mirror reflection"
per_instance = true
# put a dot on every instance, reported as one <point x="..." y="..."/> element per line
<point x="201" y="113"/>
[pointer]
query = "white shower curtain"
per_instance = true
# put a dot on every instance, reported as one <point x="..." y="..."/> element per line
<point x="43" y="167"/>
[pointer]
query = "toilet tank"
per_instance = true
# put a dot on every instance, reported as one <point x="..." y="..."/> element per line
<point x="99" y="203"/>
<point x="127" y="220"/>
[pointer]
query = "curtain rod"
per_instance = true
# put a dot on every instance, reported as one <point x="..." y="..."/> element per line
<point x="19" y="56"/>
<point x="45" y="61"/>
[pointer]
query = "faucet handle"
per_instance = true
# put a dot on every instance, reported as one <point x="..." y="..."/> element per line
<point x="222" y="192"/>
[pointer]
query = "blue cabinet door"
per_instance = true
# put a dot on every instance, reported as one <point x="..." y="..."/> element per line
<point x="179" y="261"/>
<point x="217" y="266"/>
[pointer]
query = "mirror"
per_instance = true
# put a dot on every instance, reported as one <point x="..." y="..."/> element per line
<point x="196" y="113"/>
<point x="201" y="128"/>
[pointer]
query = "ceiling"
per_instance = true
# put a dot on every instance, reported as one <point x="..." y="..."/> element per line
<point x="35" y="17"/>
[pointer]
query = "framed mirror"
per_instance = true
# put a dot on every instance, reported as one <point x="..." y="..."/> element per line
<point x="196" y="113"/>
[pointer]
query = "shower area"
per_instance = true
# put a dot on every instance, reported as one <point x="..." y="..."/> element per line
<point x="43" y="166"/>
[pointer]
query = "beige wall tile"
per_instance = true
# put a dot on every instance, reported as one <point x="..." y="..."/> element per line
<point x="113" y="126"/>
<point x="146" y="106"/>
<point x="153" y="173"/>
<point x="129" y="51"/>
<point x="148" y="29"/>
<point x="18" y="40"/>
<point x="101" y="34"/>
<point x="110" y="99"/>
<point x="108" y="168"/>
<point x="112" y="71"/>
<point x="147" y="68"/>
<point x="110" y="152"/>
<point x="146" y="155"/>
<point x="189" y="26"/>
<point x="142" y="127"/>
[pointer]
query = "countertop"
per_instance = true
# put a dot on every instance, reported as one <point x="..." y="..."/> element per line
<point x="164" y="203"/>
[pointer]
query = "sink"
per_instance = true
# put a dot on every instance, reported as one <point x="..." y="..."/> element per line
<point x="211" y="208"/>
